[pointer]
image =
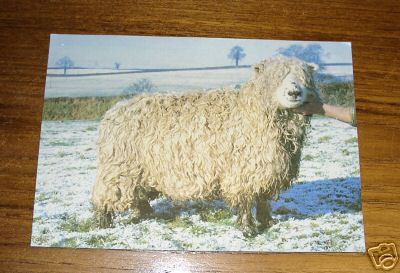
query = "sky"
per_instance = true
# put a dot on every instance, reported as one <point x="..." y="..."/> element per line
<point x="102" y="51"/>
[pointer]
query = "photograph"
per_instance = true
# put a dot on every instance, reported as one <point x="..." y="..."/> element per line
<point x="198" y="144"/>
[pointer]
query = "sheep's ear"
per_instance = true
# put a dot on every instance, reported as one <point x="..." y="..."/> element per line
<point x="313" y="66"/>
<point x="258" y="68"/>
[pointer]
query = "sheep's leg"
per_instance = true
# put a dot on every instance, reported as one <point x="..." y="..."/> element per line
<point x="263" y="214"/>
<point x="245" y="220"/>
<point x="104" y="218"/>
<point x="141" y="206"/>
<point x="141" y="209"/>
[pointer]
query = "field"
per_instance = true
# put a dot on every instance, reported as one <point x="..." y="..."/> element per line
<point x="114" y="85"/>
<point x="164" y="81"/>
<point x="321" y="212"/>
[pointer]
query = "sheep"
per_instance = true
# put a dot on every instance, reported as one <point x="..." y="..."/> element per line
<point x="242" y="146"/>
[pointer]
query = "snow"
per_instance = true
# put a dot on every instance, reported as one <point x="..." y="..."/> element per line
<point x="110" y="85"/>
<point x="320" y="212"/>
<point x="75" y="71"/>
<point x="339" y="70"/>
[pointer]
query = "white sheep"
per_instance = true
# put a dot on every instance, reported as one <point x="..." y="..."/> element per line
<point x="241" y="146"/>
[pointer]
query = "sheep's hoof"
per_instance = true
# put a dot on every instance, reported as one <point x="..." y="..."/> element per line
<point x="105" y="220"/>
<point x="146" y="209"/>
<point x="141" y="211"/>
<point x="249" y="231"/>
<point x="267" y="224"/>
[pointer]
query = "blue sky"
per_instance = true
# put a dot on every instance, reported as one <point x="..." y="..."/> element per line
<point x="102" y="51"/>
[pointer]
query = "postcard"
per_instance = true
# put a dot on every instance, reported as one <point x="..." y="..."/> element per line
<point x="198" y="144"/>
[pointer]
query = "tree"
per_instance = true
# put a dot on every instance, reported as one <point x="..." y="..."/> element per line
<point x="117" y="65"/>
<point x="66" y="63"/>
<point x="311" y="53"/>
<point x="236" y="54"/>
<point x="142" y="85"/>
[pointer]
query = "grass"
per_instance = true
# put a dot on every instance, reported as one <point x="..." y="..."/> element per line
<point x="288" y="199"/>
<point x="345" y="152"/>
<point x="182" y="245"/>
<point x="302" y="236"/>
<point x="60" y="143"/>
<point x="331" y="232"/>
<point x="351" y="140"/>
<point x="99" y="240"/>
<point x="41" y="197"/>
<point x="62" y="154"/>
<point x="308" y="157"/>
<point x="40" y="239"/>
<point x="91" y="128"/>
<point x="93" y="108"/>
<point x="315" y="234"/>
<point x="324" y="139"/>
<point x="180" y="222"/>
<point x="82" y="108"/>
<point x="215" y="215"/>
<point x="337" y="93"/>
<point x="67" y="242"/>
<point x="284" y="210"/>
<point x="72" y="224"/>
<point x="198" y="230"/>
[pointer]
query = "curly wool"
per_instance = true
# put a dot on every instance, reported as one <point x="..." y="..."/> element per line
<point x="229" y="144"/>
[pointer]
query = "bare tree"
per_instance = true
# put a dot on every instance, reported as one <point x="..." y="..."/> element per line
<point x="66" y="63"/>
<point x="236" y="54"/>
<point x="141" y="85"/>
<point x="117" y="65"/>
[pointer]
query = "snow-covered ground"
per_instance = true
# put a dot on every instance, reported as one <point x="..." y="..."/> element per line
<point x="75" y="71"/>
<point x="320" y="212"/>
<point x="111" y="85"/>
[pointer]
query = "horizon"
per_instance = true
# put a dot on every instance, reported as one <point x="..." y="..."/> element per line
<point x="146" y="52"/>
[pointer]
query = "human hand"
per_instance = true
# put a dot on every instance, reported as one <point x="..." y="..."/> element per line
<point x="312" y="105"/>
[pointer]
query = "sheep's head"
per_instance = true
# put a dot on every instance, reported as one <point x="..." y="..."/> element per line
<point x="284" y="82"/>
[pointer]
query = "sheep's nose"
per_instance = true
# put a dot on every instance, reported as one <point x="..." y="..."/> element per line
<point x="294" y="93"/>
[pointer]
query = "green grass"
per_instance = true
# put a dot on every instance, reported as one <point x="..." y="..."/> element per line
<point x="315" y="234"/>
<point x="60" y="143"/>
<point x="61" y="154"/>
<point x="337" y="93"/>
<point x="40" y="239"/>
<point x="93" y="108"/>
<point x="180" y="222"/>
<point x="330" y="232"/>
<point x="308" y="157"/>
<point x="288" y="199"/>
<point x="99" y="240"/>
<point x="351" y="140"/>
<point x="91" y="128"/>
<point x="67" y="242"/>
<point x="215" y="215"/>
<point x="284" y="211"/>
<point x="72" y="224"/>
<point x="198" y="230"/>
<point x="302" y="236"/>
<point x="181" y="245"/>
<point x="345" y="152"/>
<point x="324" y="139"/>
<point x="41" y="197"/>
<point x="83" y="108"/>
